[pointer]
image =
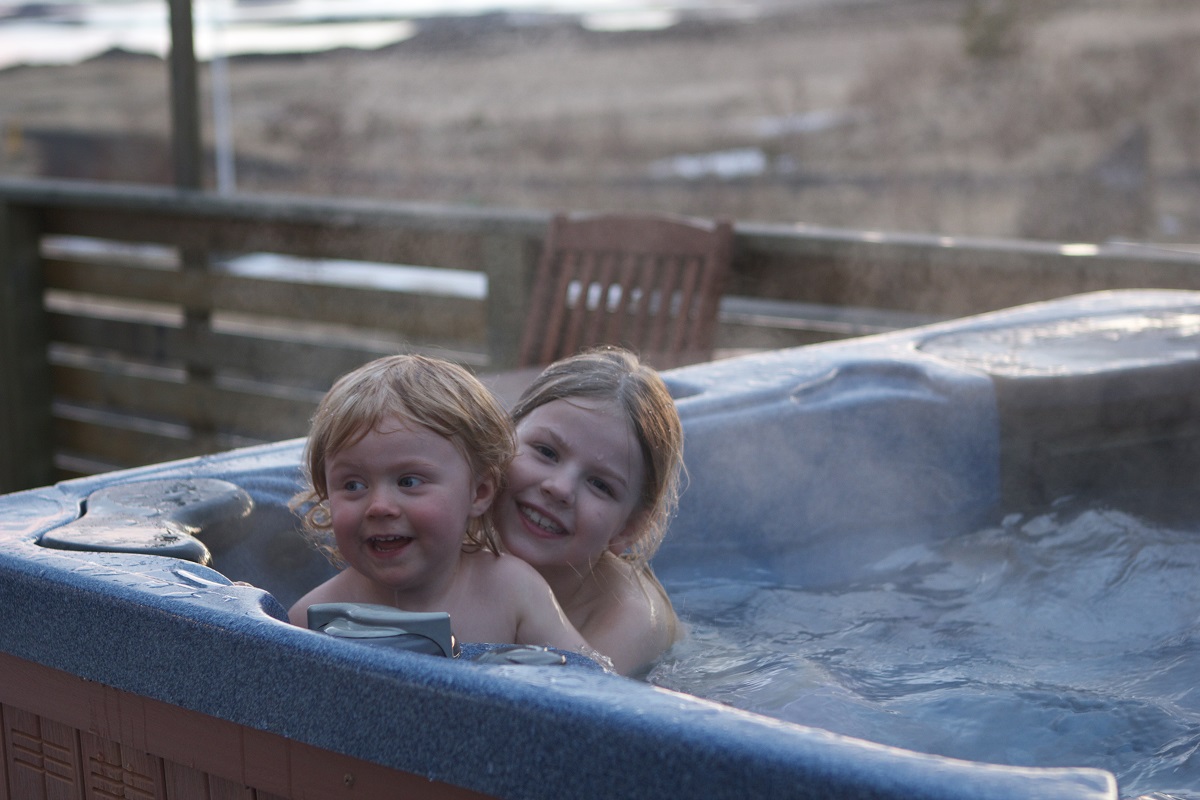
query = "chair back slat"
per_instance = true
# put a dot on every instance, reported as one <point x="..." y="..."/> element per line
<point x="643" y="308"/>
<point x="686" y="316"/>
<point x="624" y="284"/>
<point x="651" y="284"/>
<point x="656" y="338"/>
<point x="599" y="292"/>
<point x="577" y="311"/>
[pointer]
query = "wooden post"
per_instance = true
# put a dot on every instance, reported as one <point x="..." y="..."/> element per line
<point x="185" y="98"/>
<point x="26" y="435"/>
<point x="188" y="154"/>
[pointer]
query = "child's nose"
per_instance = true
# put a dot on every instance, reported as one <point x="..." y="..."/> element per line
<point x="558" y="486"/>
<point x="382" y="503"/>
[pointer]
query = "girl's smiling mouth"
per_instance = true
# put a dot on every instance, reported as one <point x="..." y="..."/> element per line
<point x="541" y="521"/>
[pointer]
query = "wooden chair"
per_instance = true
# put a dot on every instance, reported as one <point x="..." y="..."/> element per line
<point x="648" y="283"/>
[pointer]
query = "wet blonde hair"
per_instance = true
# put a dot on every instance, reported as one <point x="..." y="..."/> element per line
<point x="435" y="394"/>
<point x="617" y="375"/>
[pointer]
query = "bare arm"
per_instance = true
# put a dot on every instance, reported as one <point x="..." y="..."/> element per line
<point x="331" y="591"/>
<point x="630" y="637"/>
<point x="633" y="623"/>
<point x="540" y="619"/>
<point x="298" y="613"/>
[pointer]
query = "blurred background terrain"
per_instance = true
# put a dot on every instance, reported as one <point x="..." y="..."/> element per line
<point x="1068" y="120"/>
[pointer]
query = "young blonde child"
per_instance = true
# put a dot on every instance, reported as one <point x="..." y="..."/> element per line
<point x="589" y="494"/>
<point x="404" y="459"/>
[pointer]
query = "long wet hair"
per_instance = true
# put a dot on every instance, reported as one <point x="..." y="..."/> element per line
<point x="429" y="392"/>
<point x="617" y="375"/>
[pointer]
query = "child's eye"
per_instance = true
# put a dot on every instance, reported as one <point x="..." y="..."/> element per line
<point x="544" y="450"/>
<point x="409" y="482"/>
<point x="603" y="486"/>
<point x="353" y="486"/>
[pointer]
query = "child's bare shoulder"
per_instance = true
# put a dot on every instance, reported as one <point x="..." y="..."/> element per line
<point x="627" y="605"/>
<point x="512" y="571"/>
<point x="334" y="590"/>
<point x="634" y="619"/>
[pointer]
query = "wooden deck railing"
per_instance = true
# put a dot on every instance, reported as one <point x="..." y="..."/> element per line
<point x="152" y="347"/>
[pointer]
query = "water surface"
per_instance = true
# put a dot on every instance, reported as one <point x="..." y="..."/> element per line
<point x="1065" y="638"/>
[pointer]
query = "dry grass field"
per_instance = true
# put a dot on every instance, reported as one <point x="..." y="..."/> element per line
<point x="1057" y="119"/>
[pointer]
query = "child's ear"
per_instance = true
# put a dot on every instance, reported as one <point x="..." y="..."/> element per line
<point x="485" y="493"/>
<point x="625" y="537"/>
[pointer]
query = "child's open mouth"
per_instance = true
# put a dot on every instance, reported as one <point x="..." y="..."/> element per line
<point x="388" y="544"/>
<point x="542" y="522"/>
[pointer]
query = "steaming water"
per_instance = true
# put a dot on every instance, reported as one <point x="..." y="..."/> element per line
<point x="1070" y="638"/>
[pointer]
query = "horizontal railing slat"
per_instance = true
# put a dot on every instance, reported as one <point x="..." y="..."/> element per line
<point x="420" y="316"/>
<point x="121" y="446"/>
<point x="141" y="341"/>
<point x="943" y="276"/>
<point x="263" y="416"/>
<point x="317" y="364"/>
<point x="274" y="359"/>
<point x="392" y="233"/>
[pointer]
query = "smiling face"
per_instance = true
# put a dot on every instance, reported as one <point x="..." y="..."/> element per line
<point x="400" y="498"/>
<point x="574" y="487"/>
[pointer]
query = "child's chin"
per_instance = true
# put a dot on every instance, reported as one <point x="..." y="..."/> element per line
<point x="528" y="548"/>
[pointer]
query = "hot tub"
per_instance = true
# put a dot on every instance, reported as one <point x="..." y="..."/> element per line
<point x="148" y="671"/>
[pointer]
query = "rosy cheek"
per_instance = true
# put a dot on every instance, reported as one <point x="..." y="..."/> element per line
<point x="521" y="474"/>
<point x="341" y="517"/>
